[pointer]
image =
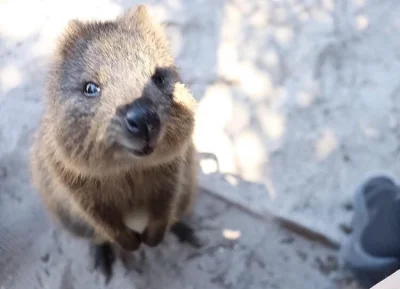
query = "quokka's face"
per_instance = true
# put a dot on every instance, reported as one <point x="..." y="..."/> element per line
<point x="117" y="95"/>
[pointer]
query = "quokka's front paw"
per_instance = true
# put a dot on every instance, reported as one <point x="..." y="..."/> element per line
<point x="154" y="233"/>
<point x="128" y="240"/>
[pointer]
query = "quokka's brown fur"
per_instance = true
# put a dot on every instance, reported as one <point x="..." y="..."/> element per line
<point x="87" y="179"/>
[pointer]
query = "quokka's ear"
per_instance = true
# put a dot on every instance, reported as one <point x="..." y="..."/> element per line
<point x="67" y="40"/>
<point x="137" y="16"/>
<point x="74" y="25"/>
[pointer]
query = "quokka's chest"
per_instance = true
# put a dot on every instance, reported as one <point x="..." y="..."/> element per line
<point x="132" y="197"/>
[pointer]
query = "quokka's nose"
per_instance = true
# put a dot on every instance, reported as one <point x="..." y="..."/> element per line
<point x="141" y="120"/>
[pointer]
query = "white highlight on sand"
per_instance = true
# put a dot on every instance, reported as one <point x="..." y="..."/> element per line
<point x="10" y="77"/>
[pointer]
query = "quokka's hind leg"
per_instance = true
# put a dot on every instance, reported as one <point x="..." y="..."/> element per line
<point x="183" y="229"/>
<point x="74" y="224"/>
<point x="186" y="234"/>
<point x="104" y="259"/>
<point x="103" y="253"/>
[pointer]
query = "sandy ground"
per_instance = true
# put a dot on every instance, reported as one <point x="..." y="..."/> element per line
<point x="298" y="99"/>
<point x="263" y="255"/>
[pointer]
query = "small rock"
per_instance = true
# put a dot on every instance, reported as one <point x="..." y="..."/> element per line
<point x="346" y="228"/>
<point x="348" y="206"/>
<point x="328" y="266"/>
<point x="45" y="258"/>
<point x="346" y="158"/>
<point x="231" y="234"/>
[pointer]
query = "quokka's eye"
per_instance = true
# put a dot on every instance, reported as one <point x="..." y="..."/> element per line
<point x="158" y="79"/>
<point x="91" y="89"/>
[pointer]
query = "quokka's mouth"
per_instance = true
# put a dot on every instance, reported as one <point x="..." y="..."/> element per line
<point x="145" y="151"/>
<point x="136" y="149"/>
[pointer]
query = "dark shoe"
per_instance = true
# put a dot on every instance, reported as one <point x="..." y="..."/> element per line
<point x="372" y="251"/>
